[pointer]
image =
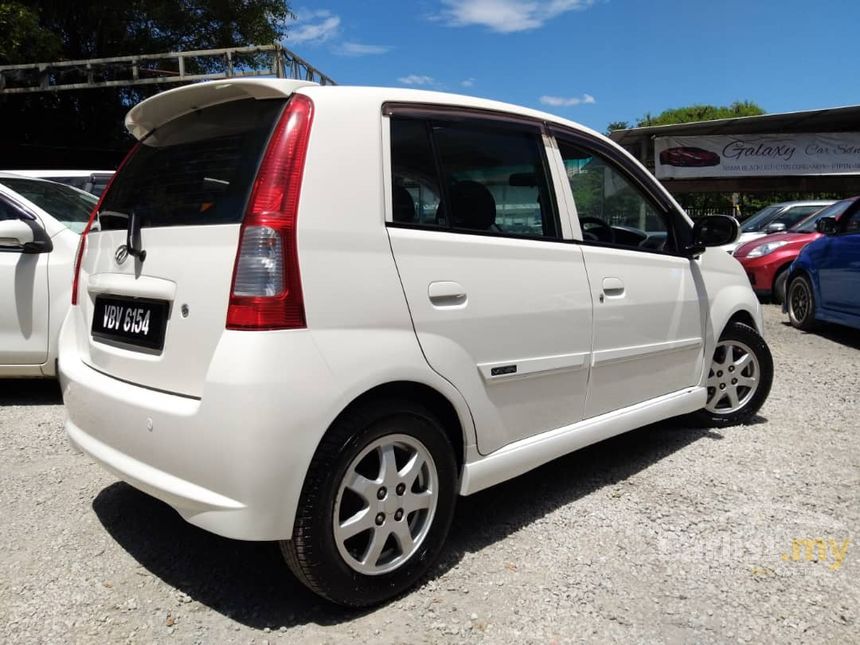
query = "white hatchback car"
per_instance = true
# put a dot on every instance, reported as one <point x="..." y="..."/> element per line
<point x="40" y="224"/>
<point x="319" y="314"/>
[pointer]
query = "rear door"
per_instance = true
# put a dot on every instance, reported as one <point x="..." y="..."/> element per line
<point x="648" y="335"/>
<point x="499" y="298"/>
<point x="24" y="297"/>
<point x="155" y="321"/>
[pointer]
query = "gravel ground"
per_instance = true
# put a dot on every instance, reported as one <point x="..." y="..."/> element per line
<point x="669" y="533"/>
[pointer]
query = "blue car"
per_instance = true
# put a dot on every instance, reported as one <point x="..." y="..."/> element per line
<point x="824" y="280"/>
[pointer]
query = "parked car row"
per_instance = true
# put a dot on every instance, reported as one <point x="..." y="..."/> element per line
<point x="767" y="259"/>
<point x="775" y="218"/>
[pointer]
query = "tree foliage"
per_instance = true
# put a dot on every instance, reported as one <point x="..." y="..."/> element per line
<point x="24" y="39"/>
<point x="83" y="128"/>
<point x="701" y="113"/>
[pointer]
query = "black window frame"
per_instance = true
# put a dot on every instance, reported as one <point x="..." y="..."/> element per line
<point x="486" y="120"/>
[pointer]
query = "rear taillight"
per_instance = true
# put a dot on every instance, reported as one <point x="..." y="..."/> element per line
<point x="266" y="292"/>
<point x="82" y="242"/>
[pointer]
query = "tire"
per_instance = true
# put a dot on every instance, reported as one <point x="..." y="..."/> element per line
<point x="801" y="303"/>
<point x="739" y="378"/>
<point x="391" y="546"/>
<point x="777" y="295"/>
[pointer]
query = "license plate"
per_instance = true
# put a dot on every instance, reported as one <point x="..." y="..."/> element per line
<point x="134" y="321"/>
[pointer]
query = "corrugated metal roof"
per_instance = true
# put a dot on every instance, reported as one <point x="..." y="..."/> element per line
<point x="837" y="119"/>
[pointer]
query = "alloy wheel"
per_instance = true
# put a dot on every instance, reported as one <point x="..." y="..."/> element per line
<point x="385" y="504"/>
<point x="733" y="378"/>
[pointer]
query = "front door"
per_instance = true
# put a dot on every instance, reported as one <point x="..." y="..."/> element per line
<point x="648" y="336"/>
<point x="839" y="267"/>
<point x="500" y="301"/>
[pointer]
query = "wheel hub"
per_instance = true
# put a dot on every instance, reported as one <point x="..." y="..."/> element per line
<point x="385" y="504"/>
<point x="733" y="378"/>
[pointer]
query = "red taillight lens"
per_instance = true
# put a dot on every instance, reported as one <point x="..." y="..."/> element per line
<point x="82" y="243"/>
<point x="266" y="292"/>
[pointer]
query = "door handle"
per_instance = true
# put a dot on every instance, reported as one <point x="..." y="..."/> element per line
<point x="446" y="294"/>
<point x="613" y="287"/>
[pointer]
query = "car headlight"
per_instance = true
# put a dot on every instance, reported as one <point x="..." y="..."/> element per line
<point x="764" y="249"/>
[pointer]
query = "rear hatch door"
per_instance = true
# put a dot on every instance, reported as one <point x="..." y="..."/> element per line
<point x="179" y="199"/>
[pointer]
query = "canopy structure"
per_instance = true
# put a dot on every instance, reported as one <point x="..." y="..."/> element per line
<point x="811" y="151"/>
<point x="158" y="69"/>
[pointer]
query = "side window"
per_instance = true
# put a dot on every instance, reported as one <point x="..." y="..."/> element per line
<point x="852" y="222"/>
<point x="494" y="178"/>
<point x="793" y="215"/>
<point x="611" y="209"/>
<point x="415" y="189"/>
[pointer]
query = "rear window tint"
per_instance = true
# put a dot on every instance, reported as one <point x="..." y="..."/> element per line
<point x="195" y="170"/>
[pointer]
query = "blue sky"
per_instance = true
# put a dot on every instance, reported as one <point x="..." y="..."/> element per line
<point x="593" y="61"/>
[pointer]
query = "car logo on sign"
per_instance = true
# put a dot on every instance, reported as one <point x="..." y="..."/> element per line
<point x="121" y="254"/>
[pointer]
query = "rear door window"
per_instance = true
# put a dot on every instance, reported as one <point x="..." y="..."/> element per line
<point x="195" y="170"/>
<point x="494" y="177"/>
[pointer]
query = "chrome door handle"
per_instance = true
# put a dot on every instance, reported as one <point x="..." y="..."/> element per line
<point x="446" y="294"/>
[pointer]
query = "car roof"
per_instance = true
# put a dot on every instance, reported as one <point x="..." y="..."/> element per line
<point x="47" y="174"/>
<point x="166" y="106"/>
<point x="807" y="202"/>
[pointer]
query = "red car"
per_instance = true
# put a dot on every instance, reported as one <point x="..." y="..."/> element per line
<point x="766" y="259"/>
<point x="688" y="157"/>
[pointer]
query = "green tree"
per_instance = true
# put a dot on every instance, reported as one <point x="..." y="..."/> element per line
<point x="24" y="39"/>
<point x="85" y="128"/>
<point x="700" y="113"/>
<point x="617" y="125"/>
<point x="697" y="203"/>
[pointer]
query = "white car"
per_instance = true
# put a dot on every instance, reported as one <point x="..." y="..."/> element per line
<point x="40" y="223"/>
<point x="91" y="181"/>
<point x="319" y="314"/>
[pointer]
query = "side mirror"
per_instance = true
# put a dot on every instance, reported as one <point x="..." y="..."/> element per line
<point x="712" y="230"/>
<point x="24" y="237"/>
<point x="775" y="227"/>
<point x="827" y="225"/>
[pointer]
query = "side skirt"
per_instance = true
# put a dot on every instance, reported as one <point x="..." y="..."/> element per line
<point x="526" y="454"/>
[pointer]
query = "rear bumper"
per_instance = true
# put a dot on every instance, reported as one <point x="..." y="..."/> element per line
<point x="232" y="462"/>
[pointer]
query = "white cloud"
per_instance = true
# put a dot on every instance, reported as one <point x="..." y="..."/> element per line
<point x="415" y="79"/>
<point x="507" y="16"/>
<point x="469" y="82"/>
<point x="561" y="101"/>
<point x="314" y="27"/>
<point x="360" y="49"/>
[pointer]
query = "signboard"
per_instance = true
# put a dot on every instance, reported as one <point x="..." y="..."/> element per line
<point x="750" y="155"/>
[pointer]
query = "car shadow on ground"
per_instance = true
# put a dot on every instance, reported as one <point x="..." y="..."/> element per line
<point x="249" y="582"/>
<point x="32" y="391"/>
<point x="837" y="333"/>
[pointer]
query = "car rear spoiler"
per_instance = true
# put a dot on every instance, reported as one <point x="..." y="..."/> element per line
<point x="155" y="111"/>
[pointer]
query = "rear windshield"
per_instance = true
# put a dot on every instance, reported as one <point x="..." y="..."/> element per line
<point x="195" y="170"/>
<point x="67" y="205"/>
